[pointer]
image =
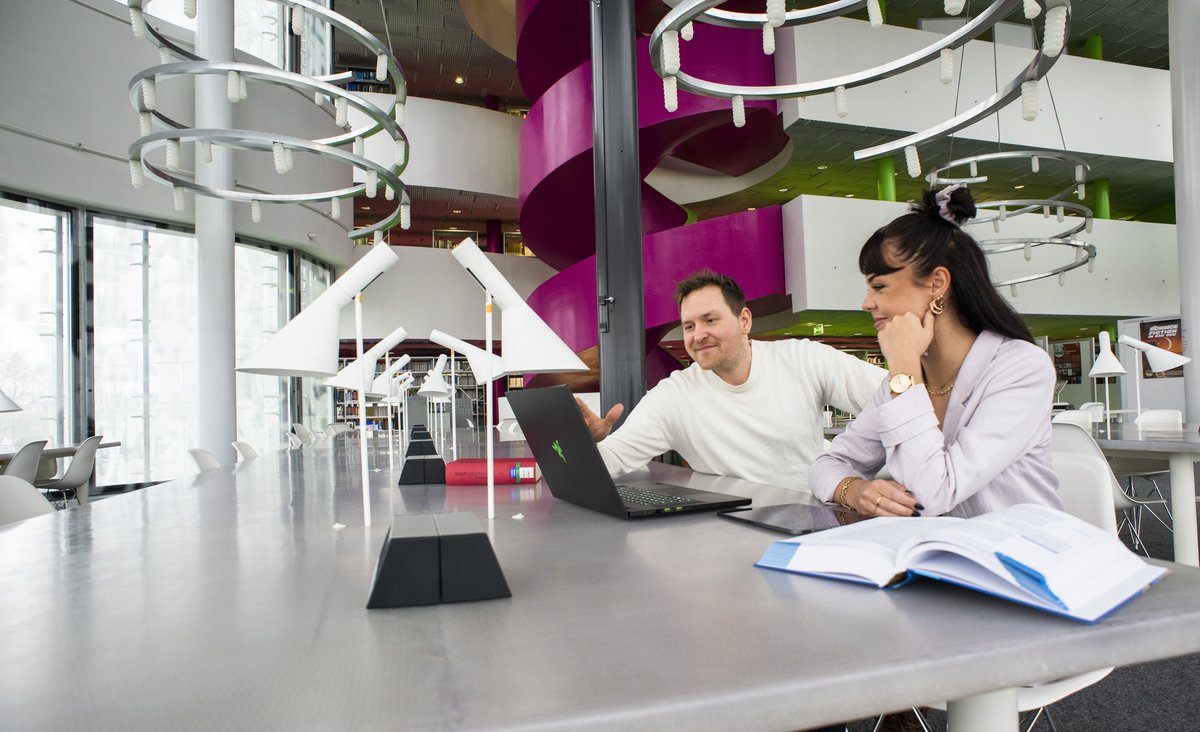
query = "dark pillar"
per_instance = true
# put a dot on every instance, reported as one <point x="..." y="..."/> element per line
<point x="495" y="237"/>
<point x="619" y="282"/>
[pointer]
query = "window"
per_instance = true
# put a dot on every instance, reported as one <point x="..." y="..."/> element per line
<point x="106" y="344"/>
<point x="260" y="299"/>
<point x="144" y="316"/>
<point x="34" y="308"/>
<point x="316" y="399"/>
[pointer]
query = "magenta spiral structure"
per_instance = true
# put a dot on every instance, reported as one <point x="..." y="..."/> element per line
<point x="557" y="207"/>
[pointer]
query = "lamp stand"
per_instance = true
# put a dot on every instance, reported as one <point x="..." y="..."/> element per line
<point x="362" y="409"/>
<point x="491" y="450"/>
<point x="390" y="413"/>
<point x="1137" y="379"/>
<point x="453" y="405"/>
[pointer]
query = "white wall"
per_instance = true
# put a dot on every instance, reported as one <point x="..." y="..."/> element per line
<point x="1104" y="108"/>
<point x="66" y="124"/>
<point x="454" y="146"/>
<point x="428" y="289"/>
<point x="1136" y="272"/>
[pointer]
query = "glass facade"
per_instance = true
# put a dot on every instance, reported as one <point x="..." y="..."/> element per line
<point x="101" y="338"/>
<point x="35" y="363"/>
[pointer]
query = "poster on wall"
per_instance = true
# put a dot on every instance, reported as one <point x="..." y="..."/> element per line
<point x="1068" y="363"/>
<point x="1166" y="334"/>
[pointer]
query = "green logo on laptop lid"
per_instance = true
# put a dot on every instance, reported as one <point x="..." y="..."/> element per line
<point x="558" y="449"/>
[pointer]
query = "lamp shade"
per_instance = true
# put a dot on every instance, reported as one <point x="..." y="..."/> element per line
<point x="379" y="387"/>
<point x="481" y="362"/>
<point x="434" y="387"/>
<point x="348" y="377"/>
<point x="528" y="344"/>
<point x="308" y="344"/>
<point x="7" y="404"/>
<point x="1106" y="363"/>
<point x="1158" y="359"/>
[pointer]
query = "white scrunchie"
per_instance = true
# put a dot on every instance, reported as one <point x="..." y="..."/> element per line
<point x="943" y="203"/>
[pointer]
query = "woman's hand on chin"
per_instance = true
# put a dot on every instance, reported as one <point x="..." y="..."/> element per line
<point x="904" y="339"/>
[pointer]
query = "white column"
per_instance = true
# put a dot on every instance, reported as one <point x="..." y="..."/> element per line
<point x="216" y="413"/>
<point x="1183" y="19"/>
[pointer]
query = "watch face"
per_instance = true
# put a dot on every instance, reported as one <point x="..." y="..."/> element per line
<point x="899" y="383"/>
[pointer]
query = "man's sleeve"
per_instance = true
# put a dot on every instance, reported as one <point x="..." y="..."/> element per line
<point x="849" y="383"/>
<point x="644" y="435"/>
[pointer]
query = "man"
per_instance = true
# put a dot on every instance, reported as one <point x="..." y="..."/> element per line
<point x="747" y="409"/>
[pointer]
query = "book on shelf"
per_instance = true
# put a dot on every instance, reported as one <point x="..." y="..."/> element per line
<point x="473" y="471"/>
<point x="1031" y="554"/>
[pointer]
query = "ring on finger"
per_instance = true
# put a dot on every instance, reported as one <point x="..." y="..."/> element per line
<point x="878" y="498"/>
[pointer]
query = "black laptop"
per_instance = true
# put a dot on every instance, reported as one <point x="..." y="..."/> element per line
<point x="575" y="472"/>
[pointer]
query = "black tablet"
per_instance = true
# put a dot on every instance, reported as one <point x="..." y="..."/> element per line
<point x="791" y="518"/>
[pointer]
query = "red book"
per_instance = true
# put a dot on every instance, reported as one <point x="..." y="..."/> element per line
<point x="473" y="471"/>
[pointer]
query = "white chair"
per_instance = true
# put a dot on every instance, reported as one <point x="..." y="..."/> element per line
<point x="1077" y="417"/>
<point x="305" y="434"/>
<point x="1163" y="419"/>
<point x="341" y="428"/>
<point x="1130" y="469"/>
<point x="245" y="450"/>
<point x="1083" y="484"/>
<point x="74" y="481"/>
<point x="24" y="464"/>
<point x="205" y="460"/>
<point x="294" y="442"/>
<point x="19" y="500"/>
<point x="1096" y="409"/>
<point x="330" y="430"/>
<point x="1069" y="439"/>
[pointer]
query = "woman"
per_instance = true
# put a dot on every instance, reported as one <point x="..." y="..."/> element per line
<point x="963" y="419"/>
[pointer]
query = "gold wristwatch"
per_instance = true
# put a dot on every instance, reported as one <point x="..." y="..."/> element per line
<point x="900" y="383"/>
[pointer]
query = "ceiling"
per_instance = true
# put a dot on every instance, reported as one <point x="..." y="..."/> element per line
<point x="434" y="43"/>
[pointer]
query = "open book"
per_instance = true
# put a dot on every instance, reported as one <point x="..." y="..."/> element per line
<point x="1030" y="554"/>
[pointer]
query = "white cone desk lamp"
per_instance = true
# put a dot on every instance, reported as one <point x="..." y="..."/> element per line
<point x="485" y="367"/>
<point x="347" y="378"/>
<point x="381" y="387"/>
<point x="1158" y="359"/>
<point x="1107" y="364"/>
<point x="7" y="404"/>
<point x="528" y="345"/>
<point x="308" y="344"/>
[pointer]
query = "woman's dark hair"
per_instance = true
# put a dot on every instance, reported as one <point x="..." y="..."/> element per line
<point x="924" y="240"/>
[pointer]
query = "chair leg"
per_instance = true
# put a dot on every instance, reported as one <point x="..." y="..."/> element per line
<point x="1033" y="719"/>
<point x="1158" y="492"/>
<point x="1050" y="720"/>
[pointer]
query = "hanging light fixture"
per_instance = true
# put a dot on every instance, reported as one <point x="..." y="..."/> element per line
<point x="667" y="62"/>
<point x="387" y="120"/>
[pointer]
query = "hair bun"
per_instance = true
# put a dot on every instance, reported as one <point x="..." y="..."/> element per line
<point x="953" y="204"/>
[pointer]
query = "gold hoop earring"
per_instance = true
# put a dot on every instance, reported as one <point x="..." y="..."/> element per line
<point x="938" y="305"/>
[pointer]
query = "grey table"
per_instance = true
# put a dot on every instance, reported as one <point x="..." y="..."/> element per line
<point x="1182" y="450"/>
<point x="231" y="601"/>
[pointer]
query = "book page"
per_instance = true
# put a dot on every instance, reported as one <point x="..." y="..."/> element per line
<point x="866" y="549"/>
<point x="1066" y="561"/>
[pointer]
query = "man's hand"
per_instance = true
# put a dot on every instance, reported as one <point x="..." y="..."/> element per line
<point x="599" y="427"/>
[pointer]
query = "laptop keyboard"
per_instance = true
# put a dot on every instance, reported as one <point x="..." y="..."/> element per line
<point x="642" y="497"/>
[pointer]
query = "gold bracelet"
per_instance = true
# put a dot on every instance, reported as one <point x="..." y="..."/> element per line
<point x="840" y="493"/>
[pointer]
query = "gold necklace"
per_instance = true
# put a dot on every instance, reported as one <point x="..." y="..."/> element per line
<point x="942" y="390"/>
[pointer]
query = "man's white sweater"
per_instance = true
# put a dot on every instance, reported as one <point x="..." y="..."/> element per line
<point x="767" y="430"/>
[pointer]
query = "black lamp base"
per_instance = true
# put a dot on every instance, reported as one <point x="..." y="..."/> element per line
<point x="434" y="558"/>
